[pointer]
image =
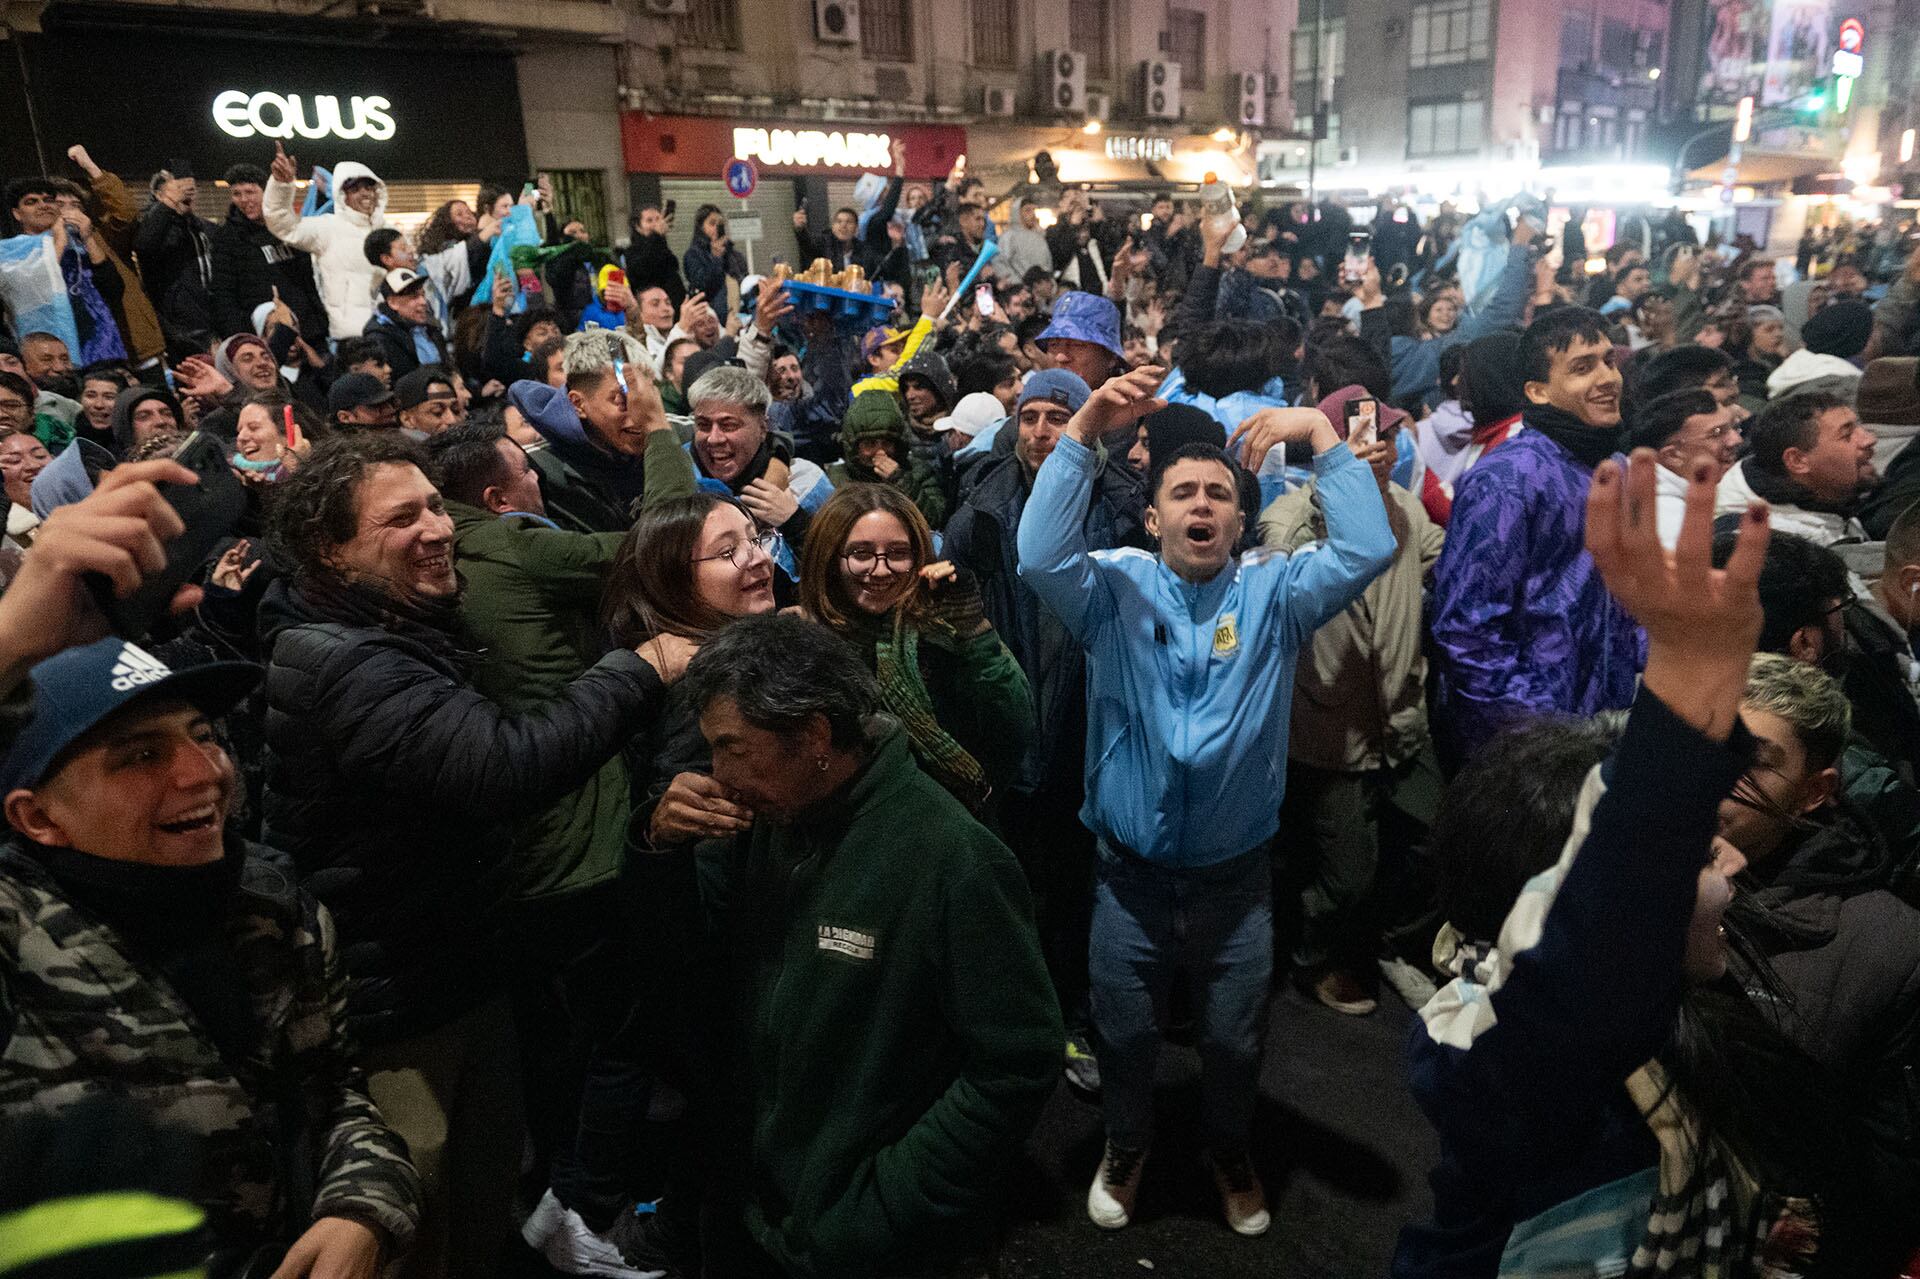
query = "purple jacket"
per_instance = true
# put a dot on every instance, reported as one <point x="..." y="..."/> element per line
<point x="1522" y="624"/>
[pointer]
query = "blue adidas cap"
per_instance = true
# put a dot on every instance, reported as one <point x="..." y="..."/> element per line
<point x="78" y="689"/>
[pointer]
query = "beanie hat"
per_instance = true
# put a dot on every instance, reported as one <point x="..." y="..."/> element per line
<point x="1890" y="392"/>
<point x="1178" y="424"/>
<point x="874" y="415"/>
<point x="1841" y="328"/>
<point x="1062" y="386"/>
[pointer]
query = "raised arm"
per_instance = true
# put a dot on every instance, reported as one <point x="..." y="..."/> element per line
<point x="1054" y="558"/>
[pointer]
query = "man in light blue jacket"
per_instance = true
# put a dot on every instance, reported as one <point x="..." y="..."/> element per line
<point x="1190" y="662"/>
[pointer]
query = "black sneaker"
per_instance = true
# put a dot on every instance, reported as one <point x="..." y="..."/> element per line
<point x="1081" y="1067"/>
<point x="649" y="1241"/>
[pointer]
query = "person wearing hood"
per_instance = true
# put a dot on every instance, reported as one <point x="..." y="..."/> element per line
<point x="176" y="257"/>
<point x="1833" y="339"/>
<point x="395" y="786"/>
<point x="404" y="324"/>
<point x="337" y="240"/>
<point x="1814" y="900"/>
<point x="252" y="266"/>
<point x="139" y="414"/>
<point x="603" y="449"/>
<point x="1522" y="624"/>
<point x="1363" y="782"/>
<point x="1812" y="462"/>
<point x="877" y="446"/>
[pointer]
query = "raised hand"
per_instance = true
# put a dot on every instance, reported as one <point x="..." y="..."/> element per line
<point x="773" y="305"/>
<point x="933" y="299"/>
<point x="1118" y="403"/>
<point x="1701" y="622"/>
<point x="284" y="167"/>
<point x="78" y="154"/>
<point x="690" y="310"/>
<point x="1269" y="428"/>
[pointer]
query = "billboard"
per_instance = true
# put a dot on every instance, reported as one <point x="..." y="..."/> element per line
<point x="1798" y="48"/>
<point x="1736" y="54"/>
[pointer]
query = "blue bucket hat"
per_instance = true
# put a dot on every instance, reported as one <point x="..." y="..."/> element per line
<point x="75" y="690"/>
<point x="1085" y="317"/>
<point x="1060" y="386"/>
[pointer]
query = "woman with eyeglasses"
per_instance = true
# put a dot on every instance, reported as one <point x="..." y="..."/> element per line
<point x="869" y="576"/>
<point x="689" y="566"/>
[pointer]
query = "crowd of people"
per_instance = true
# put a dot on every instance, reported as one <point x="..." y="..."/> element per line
<point x="640" y="770"/>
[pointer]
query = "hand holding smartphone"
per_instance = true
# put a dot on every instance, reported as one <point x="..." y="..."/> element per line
<point x="209" y="510"/>
<point x="1363" y="423"/>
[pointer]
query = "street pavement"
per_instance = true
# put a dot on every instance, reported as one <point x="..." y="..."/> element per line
<point x="1343" y="1152"/>
<point x="1338" y="1142"/>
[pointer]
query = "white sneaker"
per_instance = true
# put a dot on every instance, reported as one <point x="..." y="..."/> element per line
<point x="1241" y="1195"/>
<point x="1110" y="1198"/>
<point x="560" y="1235"/>
<point x="1414" y="987"/>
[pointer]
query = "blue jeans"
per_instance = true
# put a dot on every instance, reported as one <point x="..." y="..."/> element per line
<point x="1151" y="925"/>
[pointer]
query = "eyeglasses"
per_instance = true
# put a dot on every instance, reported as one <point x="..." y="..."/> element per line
<point x="13" y="405"/>
<point x="864" y="562"/>
<point x="1846" y="602"/>
<point x="768" y="541"/>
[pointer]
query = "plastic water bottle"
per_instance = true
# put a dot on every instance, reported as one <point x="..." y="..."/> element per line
<point x="1218" y="207"/>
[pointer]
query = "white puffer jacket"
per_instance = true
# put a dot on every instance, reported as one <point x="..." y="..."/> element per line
<point x="337" y="241"/>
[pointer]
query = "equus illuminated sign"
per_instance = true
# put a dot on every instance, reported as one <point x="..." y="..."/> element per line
<point x="286" y="115"/>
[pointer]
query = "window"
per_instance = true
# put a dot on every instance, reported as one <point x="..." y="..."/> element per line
<point x="1327" y="150"/>
<point x="1087" y="27"/>
<point x="886" y="30"/>
<point x="1617" y="44"/>
<point x="708" y="24"/>
<point x="1187" y="45"/>
<point x="1448" y="32"/>
<point x="1333" y="57"/>
<point x="1576" y="40"/>
<point x="1445" y="128"/>
<point x="994" y="25"/>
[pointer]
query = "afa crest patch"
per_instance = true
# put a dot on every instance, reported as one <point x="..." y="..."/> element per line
<point x="1226" y="636"/>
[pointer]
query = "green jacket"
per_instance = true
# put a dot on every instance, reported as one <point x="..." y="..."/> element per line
<point x="531" y="609"/>
<point x="81" y="1017"/>
<point x="894" y="1020"/>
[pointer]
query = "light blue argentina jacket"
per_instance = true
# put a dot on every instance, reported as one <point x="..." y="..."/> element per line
<point x="1189" y="687"/>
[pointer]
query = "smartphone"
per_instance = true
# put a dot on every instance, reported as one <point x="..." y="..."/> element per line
<point x="616" y="276"/>
<point x="1363" y="423"/>
<point x="983" y="299"/>
<point x="1359" y="249"/>
<point x="1146" y="221"/>
<point x="666" y="210"/>
<point x="209" y="509"/>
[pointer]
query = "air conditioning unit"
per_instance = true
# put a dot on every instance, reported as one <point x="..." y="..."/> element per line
<point x="1160" y="89"/>
<point x="1099" y="106"/>
<point x="1349" y="156"/>
<point x="666" y="8"/>
<point x="1066" y="82"/>
<point x="836" y="21"/>
<point x="998" y="101"/>
<point x="1251" y="98"/>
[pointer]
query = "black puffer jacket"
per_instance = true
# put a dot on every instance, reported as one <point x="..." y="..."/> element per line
<point x="392" y="782"/>
<point x="249" y="263"/>
<point x="1847" y="952"/>
<point x="981" y="536"/>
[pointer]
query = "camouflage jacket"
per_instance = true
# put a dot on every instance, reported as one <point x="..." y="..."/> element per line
<point x="290" y="1134"/>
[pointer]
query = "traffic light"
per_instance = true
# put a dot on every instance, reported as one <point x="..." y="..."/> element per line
<point x="1815" y="103"/>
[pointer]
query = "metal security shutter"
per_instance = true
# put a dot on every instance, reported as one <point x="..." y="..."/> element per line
<point x="772" y="200"/>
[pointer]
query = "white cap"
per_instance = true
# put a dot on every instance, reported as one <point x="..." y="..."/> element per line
<point x="973" y="414"/>
<point x="399" y="280"/>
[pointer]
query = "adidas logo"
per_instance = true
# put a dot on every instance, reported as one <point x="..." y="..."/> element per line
<point x="135" y="666"/>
